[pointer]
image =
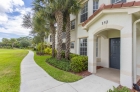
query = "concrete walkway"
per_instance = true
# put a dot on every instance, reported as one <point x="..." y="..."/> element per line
<point x="35" y="79"/>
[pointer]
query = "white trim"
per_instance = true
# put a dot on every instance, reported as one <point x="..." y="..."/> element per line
<point x="128" y="10"/>
<point x="106" y="27"/>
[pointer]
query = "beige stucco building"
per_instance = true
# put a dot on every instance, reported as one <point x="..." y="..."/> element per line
<point x="108" y="32"/>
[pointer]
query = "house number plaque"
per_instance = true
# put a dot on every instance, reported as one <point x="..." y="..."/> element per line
<point x="105" y="22"/>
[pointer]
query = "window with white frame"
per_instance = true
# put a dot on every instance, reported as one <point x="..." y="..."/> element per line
<point x="83" y="46"/>
<point x="72" y="45"/>
<point x="72" y="24"/>
<point x="117" y="1"/>
<point x="84" y="12"/>
<point x="95" y="5"/>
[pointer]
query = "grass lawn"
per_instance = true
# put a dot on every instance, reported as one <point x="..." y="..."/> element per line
<point x="10" y="69"/>
<point x="54" y="72"/>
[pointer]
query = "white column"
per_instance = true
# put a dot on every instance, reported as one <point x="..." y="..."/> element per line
<point x="136" y="59"/>
<point x="126" y="69"/>
<point x="92" y="55"/>
<point x="134" y="54"/>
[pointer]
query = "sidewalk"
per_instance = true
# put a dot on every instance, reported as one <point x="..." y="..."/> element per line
<point x="35" y="79"/>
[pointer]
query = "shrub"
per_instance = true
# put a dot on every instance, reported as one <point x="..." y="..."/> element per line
<point x="63" y="54"/>
<point x="79" y="63"/>
<point x="72" y="55"/>
<point x="62" y="64"/>
<point x="123" y="89"/>
<point x="48" y="51"/>
<point x="40" y="46"/>
<point x="34" y="49"/>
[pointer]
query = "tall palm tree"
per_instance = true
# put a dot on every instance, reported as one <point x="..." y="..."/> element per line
<point x="47" y="14"/>
<point x="27" y="21"/>
<point x="39" y="27"/>
<point x="53" y="38"/>
<point x="51" y="20"/>
<point x="72" y="8"/>
<point x="58" y="9"/>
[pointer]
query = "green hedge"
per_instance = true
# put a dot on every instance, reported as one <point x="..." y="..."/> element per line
<point x="62" y="64"/>
<point x="72" y="55"/>
<point x="79" y="63"/>
<point x="63" y="54"/>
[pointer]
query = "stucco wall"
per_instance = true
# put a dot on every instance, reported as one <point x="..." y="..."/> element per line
<point x="72" y="50"/>
<point x="104" y="52"/>
<point x="113" y="34"/>
<point x="72" y="17"/>
<point x="73" y="39"/>
<point x="104" y="2"/>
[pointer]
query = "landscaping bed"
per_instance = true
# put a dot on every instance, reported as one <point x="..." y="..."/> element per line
<point x="56" y="73"/>
<point x="76" y="65"/>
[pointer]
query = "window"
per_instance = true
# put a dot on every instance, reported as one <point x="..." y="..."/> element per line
<point x="50" y="38"/>
<point x="72" y="45"/>
<point x="73" y="24"/>
<point x="97" y="47"/>
<point x="84" y="12"/>
<point x="63" y="46"/>
<point x="95" y="5"/>
<point x="83" y="46"/>
<point x="117" y="1"/>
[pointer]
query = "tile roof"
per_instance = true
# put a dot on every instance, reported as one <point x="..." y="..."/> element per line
<point x="111" y="6"/>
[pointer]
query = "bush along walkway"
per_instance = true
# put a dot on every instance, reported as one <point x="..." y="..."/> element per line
<point x="35" y="79"/>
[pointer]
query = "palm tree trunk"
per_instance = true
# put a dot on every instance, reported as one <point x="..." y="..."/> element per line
<point x="59" y="19"/>
<point x="53" y="39"/>
<point x="67" y="51"/>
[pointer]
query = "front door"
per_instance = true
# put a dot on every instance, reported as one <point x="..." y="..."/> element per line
<point x="115" y="53"/>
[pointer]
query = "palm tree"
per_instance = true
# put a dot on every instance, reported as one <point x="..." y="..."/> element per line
<point x="48" y="17"/>
<point x="51" y="20"/>
<point x="53" y="38"/>
<point x="58" y="9"/>
<point x="27" y="21"/>
<point x="72" y="8"/>
<point x="39" y="26"/>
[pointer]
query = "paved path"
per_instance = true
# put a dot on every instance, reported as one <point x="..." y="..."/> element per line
<point x="35" y="79"/>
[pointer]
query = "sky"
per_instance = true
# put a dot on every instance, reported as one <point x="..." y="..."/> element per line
<point x="11" y="14"/>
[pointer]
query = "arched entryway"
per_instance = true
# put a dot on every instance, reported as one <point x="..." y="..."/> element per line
<point x="108" y="54"/>
<point x="105" y="33"/>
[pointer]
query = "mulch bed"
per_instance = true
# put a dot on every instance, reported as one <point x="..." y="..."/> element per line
<point x="83" y="74"/>
<point x="86" y="73"/>
<point x="99" y="67"/>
